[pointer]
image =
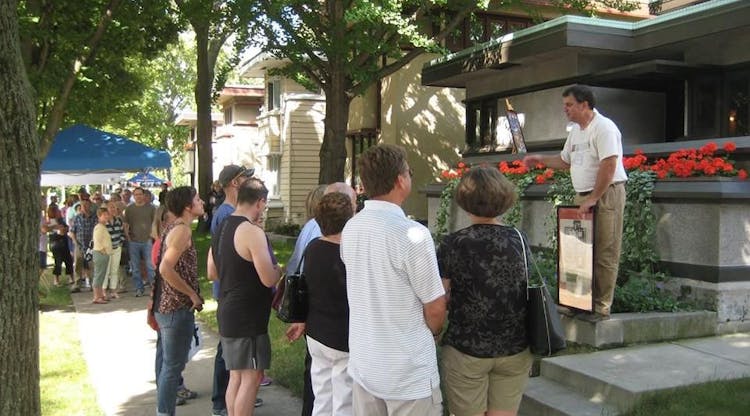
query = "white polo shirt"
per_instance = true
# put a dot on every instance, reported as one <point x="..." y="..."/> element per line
<point x="585" y="149"/>
<point x="391" y="271"/>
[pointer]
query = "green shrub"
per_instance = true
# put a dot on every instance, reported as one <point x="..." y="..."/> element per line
<point x="645" y="292"/>
<point x="287" y="228"/>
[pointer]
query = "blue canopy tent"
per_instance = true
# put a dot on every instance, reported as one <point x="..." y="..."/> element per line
<point x="81" y="155"/>
<point x="145" y="180"/>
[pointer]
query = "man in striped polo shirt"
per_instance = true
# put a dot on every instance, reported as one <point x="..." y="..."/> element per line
<point x="396" y="298"/>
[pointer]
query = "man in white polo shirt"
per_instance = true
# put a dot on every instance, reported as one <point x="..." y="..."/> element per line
<point x="593" y="153"/>
<point x="396" y="298"/>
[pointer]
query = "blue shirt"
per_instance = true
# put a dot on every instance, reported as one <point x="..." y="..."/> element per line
<point x="220" y="214"/>
<point x="310" y="231"/>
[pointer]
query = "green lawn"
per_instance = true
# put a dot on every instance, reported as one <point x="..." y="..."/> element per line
<point x="64" y="381"/>
<point x="719" y="398"/>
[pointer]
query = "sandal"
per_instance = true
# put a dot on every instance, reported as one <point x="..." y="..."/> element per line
<point x="100" y="301"/>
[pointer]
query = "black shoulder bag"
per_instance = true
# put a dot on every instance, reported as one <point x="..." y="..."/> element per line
<point x="544" y="329"/>
<point x="294" y="301"/>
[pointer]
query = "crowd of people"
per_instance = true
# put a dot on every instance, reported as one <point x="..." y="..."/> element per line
<point x="91" y="236"/>
<point x="379" y="289"/>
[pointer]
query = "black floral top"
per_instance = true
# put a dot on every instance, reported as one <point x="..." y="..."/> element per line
<point x="487" y="307"/>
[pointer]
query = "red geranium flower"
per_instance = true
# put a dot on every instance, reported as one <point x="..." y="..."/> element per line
<point x="730" y="147"/>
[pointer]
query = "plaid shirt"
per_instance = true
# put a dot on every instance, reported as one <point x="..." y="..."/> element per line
<point x="83" y="228"/>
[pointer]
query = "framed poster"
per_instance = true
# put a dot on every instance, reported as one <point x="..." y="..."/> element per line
<point x="519" y="144"/>
<point x="575" y="261"/>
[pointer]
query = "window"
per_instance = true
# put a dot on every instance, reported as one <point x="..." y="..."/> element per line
<point x="705" y="106"/>
<point x="737" y="115"/>
<point x="274" y="95"/>
<point x="482" y="27"/>
<point x="228" y="116"/>
<point x="361" y="141"/>
<point x="273" y="175"/>
<point x="481" y="125"/>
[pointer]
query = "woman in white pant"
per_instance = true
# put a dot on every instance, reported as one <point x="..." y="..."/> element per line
<point x="114" y="226"/>
<point x="327" y="326"/>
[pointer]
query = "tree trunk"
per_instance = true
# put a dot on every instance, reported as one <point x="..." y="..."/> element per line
<point x="204" y="127"/>
<point x="333" y="150"/>
<point x="19" y="227"/>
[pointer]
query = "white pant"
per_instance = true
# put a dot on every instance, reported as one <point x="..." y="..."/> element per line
<point x="331" y="383"/>
<point x="113" y="270"/>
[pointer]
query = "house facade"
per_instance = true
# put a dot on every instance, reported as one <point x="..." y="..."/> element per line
<point x="429" y="121"/>
<point x="236" y="135"/>
<point x="676" y="81"/>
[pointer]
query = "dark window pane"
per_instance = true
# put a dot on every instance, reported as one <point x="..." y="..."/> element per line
<point x="738" y="111"/>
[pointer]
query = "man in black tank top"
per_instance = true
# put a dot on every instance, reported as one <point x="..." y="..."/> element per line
<point x="240" y="259"/>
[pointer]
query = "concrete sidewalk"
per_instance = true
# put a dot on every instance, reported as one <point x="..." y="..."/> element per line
<point x="119" y="349"/>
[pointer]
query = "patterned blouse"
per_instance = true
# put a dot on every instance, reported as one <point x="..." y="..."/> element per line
<point x="171" y="299"/>
<point x="484" y="263"/>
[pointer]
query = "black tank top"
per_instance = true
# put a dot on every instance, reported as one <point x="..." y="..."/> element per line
<point x="244" y="302"/>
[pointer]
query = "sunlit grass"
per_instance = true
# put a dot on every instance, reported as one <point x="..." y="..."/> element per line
<point x="64" y="381"/>
<point x="718" y="398"/>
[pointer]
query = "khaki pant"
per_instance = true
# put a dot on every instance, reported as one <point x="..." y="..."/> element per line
<point x="365" y="404"/>
<point x="607" y="244"/>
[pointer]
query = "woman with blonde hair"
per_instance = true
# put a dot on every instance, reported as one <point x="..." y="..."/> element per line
<point x="117" y="234"/>
<point x="485" y="356"/>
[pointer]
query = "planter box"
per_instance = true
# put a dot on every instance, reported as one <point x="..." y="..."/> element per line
<point x="703" y="238"/>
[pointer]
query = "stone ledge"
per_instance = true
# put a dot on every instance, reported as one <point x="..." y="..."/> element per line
<point x="284" y="238"/>
<point x="634" y="328"/>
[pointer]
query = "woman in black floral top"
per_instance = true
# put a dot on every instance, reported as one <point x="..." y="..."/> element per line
<point x="485" y="356"/>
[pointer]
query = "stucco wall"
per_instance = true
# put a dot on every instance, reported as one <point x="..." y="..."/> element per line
<point x="428" y="121"/>
<point x="245" y="114"/>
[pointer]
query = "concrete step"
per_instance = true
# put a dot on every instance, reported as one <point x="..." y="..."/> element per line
<point x="635" y="328"/>
<point x="544" y="397"/>
<point x="622" y="376"/>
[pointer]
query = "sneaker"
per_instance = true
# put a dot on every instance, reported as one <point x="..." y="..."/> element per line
<point x="258" y="402"/>
<point x="138" y="293"/>
<point x="186" y="393"/>
<point x="180" y="401"/>
<point x="266" y="381"/>
<point x="222" y="412"/>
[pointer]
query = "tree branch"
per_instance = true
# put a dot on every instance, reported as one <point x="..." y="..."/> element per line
<point x="57" y="113"/>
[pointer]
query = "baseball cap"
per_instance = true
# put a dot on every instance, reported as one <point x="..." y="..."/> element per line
<point x="233" y="171"/>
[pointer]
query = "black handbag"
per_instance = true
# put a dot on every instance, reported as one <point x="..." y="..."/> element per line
<point x="294" y="301"/>
<point x="544" y="329"/>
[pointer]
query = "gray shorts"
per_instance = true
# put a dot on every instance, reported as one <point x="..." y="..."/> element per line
<point x="251" y="353"/>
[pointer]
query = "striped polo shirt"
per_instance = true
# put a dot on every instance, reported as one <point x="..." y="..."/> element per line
<point x="116" y="232"/>
<point x="392" y="272"/>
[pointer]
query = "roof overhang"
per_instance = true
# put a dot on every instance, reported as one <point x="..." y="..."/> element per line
<point x="257" y="66"/>
<point x="602" y="51"/>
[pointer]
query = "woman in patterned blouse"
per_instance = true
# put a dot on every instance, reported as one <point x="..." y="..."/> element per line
<point x="177" y="295"/>
<point x="485" y="355"/>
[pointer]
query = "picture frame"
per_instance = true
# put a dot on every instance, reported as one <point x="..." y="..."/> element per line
<point x="575" y="261"/>
<point x="519" y="143"/>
